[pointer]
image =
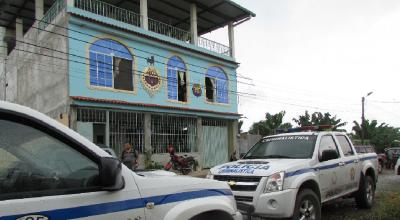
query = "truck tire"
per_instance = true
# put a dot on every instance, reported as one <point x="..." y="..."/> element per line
<point x="366" y="193"/>
<point x="307" y="207"/>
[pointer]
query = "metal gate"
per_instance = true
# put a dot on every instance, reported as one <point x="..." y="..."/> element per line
<point x="215" y="142"/>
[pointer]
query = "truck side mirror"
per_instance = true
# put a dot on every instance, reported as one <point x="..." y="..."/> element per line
<point x="329" y="154"/>
<point x="110" y="174"/>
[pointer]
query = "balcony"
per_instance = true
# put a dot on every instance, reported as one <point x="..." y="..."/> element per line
<point x="129" y="17"/>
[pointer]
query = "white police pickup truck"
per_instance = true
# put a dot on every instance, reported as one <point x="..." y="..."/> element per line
<point x="48" y="171"/>
<point x="290" y="175"/>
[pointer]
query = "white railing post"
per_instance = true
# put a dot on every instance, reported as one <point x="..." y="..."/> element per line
<point x="39" y="9"/>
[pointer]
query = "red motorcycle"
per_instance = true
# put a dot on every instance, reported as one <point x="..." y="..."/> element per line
<point x="184" y="163"/>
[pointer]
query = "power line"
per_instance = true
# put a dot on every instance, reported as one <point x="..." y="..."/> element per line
<point x="122" y="70"/>
<point x="242" y="94"/>
<point x="135" y="49"/>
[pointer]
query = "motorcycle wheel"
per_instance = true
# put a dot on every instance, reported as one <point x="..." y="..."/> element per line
<point x="191" y="166"/>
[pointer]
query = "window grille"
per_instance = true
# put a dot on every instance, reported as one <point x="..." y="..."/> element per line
<point x="180" y="132"/>
<point x="214" y="122"/>
<point x="91" y="115"/>
<point x="126" y="127"/>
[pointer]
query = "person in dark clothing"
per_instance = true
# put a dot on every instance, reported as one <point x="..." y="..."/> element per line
<point x="129" y="156"/>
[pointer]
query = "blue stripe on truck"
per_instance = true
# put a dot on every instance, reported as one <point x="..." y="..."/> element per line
<point x="118" y="206"/>
<point x="326" y="167"/>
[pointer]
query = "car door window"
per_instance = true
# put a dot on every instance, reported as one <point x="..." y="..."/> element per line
<point x="345" y="145"/>
<point x="35" y="164"/>
<point x="326" y="143"/>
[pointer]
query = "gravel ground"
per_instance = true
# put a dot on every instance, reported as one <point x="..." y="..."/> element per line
<point x="345" y="209"/>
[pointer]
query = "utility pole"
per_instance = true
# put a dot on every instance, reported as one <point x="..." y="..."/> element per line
<point x="363" y="117"/>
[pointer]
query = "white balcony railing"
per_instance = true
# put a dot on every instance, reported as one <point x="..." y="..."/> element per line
<point x="108" y="10"/>
<point x="51" y="14"/>
<point x="213" y="46"/>
<point x="169" y="30"/>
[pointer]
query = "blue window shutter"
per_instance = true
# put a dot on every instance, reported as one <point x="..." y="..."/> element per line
<point x="172" y="84"/>
<point x="174" y="65"/>
<point x="93" y="68"/>
<point x="100" y="58"/>
<point x="108" y="77"/>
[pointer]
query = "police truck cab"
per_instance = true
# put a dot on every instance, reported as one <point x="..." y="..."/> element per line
<point x="290" y="175"/>
<point x="48" y="171"/>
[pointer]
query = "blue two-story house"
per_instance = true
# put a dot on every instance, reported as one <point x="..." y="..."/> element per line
<point x="129" y="71"/>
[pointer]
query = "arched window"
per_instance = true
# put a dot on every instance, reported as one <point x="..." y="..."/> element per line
<point x="216" y="85"/>
<point x="111" y="65"/>
<point x="177" y="79"/>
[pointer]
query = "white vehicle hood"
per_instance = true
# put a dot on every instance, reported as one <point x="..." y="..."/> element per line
<point x="162" y="185"/>
<point x="155" y="173"/>
<point x="260" y="167"/>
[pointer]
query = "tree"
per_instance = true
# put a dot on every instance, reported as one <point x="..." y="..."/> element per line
<point x="269" y="126"/>
<point x="318" y="118"/>
<point x="240" y="124"/>
<point x="380" y="136"/>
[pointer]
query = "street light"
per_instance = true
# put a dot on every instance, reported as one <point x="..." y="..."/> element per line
<point x="363" y="117"/>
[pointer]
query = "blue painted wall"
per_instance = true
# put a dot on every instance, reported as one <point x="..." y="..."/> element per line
<point x="82" y="33"/>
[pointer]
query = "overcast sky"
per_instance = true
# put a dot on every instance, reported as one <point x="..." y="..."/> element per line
<point x="319" y="55"/>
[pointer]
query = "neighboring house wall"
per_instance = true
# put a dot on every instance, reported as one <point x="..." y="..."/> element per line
<point x="246" y="141"/>
<point x="37" y="74"/>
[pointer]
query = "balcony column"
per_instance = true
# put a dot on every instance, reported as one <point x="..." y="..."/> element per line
<point x="193" y="23"/>
<point x="199" y="141"/>
<point x="19" y="34"/>
<point x="147" y="131"/>
<point x="144" y="19"/>
<point x="39" y="9"/>
<point x="231" y="34"/>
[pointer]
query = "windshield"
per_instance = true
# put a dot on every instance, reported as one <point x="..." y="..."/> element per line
<point x="288" y="146"/>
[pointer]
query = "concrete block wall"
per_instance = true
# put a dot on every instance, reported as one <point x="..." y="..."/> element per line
<point x="37" y="74"/>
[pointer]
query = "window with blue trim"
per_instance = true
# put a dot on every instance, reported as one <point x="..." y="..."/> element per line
<point x="216" y="83"/>
<point x="111" y="65"/>
<point x="177" y="79"/>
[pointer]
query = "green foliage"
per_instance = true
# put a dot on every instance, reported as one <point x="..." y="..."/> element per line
<point x="269" y="126"/>
<point x="318" y="118"/>
<point x="149" y="164"/>
<point x="240" y="124"/>
<point x="381" y="136"/>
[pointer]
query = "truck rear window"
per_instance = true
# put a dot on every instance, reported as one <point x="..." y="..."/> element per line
<point x="288" y="146"/>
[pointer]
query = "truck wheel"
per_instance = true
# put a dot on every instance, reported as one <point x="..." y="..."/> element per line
<point x="366" y="193"/>
<point x="307" y="207"/>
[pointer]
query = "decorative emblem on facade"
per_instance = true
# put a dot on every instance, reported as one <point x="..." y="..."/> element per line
<point x="196" y="89"/>
<point x="151" y="80"/>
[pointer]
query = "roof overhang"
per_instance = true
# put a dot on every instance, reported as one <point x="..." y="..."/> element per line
<point x="212" y="14"/>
